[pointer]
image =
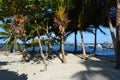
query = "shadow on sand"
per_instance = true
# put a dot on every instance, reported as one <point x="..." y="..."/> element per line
<point x="3" y="63"/>
<point x="97" y="70"/>
<point x="10" y="75"/>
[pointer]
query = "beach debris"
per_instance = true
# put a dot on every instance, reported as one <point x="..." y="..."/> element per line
<point x="34" y="73"/>
<point x="42" y="70"/>
<point x="31" y="62"/>
<point x="6" y="54"/>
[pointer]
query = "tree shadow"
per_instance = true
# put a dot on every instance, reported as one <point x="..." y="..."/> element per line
<point x="97" y="70"/>
<point x="10" y="75"/>
<point x="3" y="63"/>
<point x="105" y="58"/>
<point x="96" y="75"/>
<point x="58" y="56"/>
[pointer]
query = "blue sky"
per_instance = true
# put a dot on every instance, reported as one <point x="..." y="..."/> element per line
<point x="88" y="37"/>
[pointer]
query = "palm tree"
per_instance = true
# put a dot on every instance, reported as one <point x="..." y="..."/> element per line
<point x="87" y="16"/>
<point x="37" y="21"/>
<point x="41" y="51"/>
<point x="82" y="15"/>
<point x="61" y="19"/>
<point x="50" y="53"/>
<point x="118" y="35"/>
<point x="83" y="22"/>
<point x="110" y="19"/>
<point x="113" y="20"/>
<point x="19" y="22"/>
<point x="9" y="36"/>
<point x="95" y="38"/>
<point x="69" y="33"/>
<point x="37" y="25"/>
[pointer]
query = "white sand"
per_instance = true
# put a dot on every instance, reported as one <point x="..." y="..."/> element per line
<point x="74" y="69"/>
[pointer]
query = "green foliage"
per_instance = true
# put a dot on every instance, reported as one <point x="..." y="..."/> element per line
<point x="81" y="13"/>
<point x="6" y="54"/>
<point x="12" y="7"/>
<point x="8" y="35"/>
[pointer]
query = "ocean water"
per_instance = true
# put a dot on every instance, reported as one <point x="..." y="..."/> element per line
<point x="71" y="48"/>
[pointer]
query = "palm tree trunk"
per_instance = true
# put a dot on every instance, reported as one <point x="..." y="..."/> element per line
<point x="112" y="32"/>
<point x="33" y="45"/>
<point x="62" y="49"/>
<point x="83" y="47"/>
<point x="33" y="50"/>
<point x="12" y="47"/>
<point x="95" y="41"/>
<point x="19" y="47"/>
<point x="118" y="36"/>
<point x="118" y="47"/>
<point x="41" y="51"/>
<point x="50" y="52"/>
<point x="59" y="50"/>
<point x="26" y="57"/>
<point x="75" y="41"/>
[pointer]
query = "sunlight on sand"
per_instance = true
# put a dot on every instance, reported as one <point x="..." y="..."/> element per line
<point x="74" y="69"/>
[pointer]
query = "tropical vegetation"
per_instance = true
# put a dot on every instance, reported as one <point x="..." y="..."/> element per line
<point x="28" y="20"/>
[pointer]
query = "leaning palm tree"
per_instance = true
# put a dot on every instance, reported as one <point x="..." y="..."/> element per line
<point x="41" y="50"/>
<point x="61" y="20"/>
<point x="87" y="16"/>
<point x="95" y="37"/>
<point x="83" y="22"/>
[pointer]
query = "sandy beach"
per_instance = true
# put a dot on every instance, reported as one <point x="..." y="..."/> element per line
<point x="95" y="68"/>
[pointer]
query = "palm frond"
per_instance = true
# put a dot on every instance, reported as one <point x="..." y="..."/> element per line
<point x="2" y="37"/>
<point x="6" y="45"/>
<point x="3" y="33"/>
<point x="61" y="17"/>
<point x="89" y="30"/>
<point x="67" y="35"/>
<point x="15" y="43"/>
<point x="101" y="31"/>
